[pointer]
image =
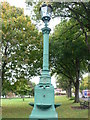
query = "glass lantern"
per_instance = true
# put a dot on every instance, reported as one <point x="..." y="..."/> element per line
<point x="46" y="11"/>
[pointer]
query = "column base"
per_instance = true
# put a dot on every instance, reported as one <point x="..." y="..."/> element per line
<point x="38" y="114"/>
<point x="45" y="77"/>
<point x="44" y="107"/>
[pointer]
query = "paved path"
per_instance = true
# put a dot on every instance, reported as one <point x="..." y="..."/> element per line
<point x="85" y="99"/>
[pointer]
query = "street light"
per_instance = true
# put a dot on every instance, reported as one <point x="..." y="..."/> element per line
<point x="44" y="107"/>
<point x="46" y="11"/>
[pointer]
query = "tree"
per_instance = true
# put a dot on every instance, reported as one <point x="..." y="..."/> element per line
<point x="23" y="87"/>
<point x="7" y="87"/>
<point x="65" y="83"/>
<point x="21" y="44"/>
<point x="31" y="90"/>
<point x="69" y="52"/>
<point x="84" y="83"/>
<point x="79" y="11"/>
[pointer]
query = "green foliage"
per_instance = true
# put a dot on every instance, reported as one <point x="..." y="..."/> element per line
<point x="79" y="11"/>
<point x="20" y="87"/>
<point x="69" y="52"/>
<point x="7" y="87"/>
<point x="21" y="44"/>
<point x="37" y="11"/>
<point x="62" y="82"/>
<point x="23" y="87"/>
<point x="85" y="83"/>
<point x="70" y="48"/>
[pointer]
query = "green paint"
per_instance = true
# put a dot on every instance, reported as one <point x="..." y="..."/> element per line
<point x="45" y="76"/>
<point x="44" y="107"/>
<point x="44" y="103"/>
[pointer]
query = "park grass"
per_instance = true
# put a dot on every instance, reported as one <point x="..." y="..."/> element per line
<point x="65" y="110"/>
<point x="17" y="108"/>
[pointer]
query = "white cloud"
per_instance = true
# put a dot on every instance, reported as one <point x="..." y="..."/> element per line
<point x="17" y="3"/>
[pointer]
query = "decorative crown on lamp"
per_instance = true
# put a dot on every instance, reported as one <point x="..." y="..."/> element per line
<point x="46" y="11"/>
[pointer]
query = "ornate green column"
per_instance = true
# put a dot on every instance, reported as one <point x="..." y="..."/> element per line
<point x="44" y="107"/>
<point x="45" y="76"/>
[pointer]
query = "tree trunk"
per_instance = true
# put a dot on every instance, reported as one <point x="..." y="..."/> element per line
<point x="23" y="97"/>
<point x="77" y="81"/>
<point x="29" y="96"/>
<point x="77" y="92"/>
<point x="69" y="92"/>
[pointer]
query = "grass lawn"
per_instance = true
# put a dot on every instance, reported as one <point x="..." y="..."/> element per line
<point x="17" y="108"/>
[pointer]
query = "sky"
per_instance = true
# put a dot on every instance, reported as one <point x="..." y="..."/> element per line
<point x="17" y="3"/>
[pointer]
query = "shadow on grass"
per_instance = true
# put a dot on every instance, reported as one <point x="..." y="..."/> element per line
<point x="72" y="98"/>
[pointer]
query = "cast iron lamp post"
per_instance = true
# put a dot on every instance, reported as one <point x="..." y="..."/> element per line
<point x="45" y="11"/>
<point x="44" y="107"/>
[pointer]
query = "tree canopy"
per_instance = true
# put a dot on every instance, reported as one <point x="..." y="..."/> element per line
<point x="69" y="52"/>
<point x="79" y="11"/>
<point x="21" y="44"/>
